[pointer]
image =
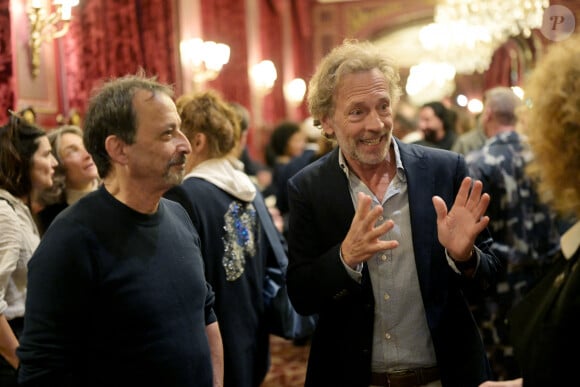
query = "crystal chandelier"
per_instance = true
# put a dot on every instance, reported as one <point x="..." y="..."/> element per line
<point x="468" y="48"/>
<point x="503" y="18"/>
<point x="466" y="33"/>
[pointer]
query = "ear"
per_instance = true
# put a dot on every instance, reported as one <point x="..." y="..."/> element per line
<point x="198" y="143"/>
<point x="327" y="126"/>
<point x="116" y="149"/>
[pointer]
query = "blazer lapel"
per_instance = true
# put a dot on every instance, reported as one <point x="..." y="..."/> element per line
<point x="420" y="188"/>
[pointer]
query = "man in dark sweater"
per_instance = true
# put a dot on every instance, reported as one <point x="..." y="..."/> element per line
<point x="117" y="294"/>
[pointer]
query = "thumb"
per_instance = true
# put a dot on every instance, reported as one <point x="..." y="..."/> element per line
<point x="440" y="208"/>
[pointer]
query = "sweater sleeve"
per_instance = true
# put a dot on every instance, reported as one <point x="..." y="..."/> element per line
<point x="60" y="269"/>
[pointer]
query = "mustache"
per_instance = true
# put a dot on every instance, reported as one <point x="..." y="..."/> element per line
<point x="178" y="160"/>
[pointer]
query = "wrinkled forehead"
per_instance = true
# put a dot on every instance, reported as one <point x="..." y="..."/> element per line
<point x="154" y="111"/>
<point x="363" y="84"/>
<point x="148" y="104"/>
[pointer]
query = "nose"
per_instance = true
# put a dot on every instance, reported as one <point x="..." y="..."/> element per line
<point x="86" y="154"/>
<point x="53" y="161"/>
<point x="374" y="120"/>
<point x="184" y="145"/>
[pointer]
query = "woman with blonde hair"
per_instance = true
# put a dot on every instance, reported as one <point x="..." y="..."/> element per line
<point x="234" y="226"/>
<point x="546" y="321"/>
<point x="75" y="176"/>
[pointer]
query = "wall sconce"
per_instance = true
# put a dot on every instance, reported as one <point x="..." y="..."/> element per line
<point x="204" y="59"/>
<point x="263" y="76"/>
<point x="46" y="26"/>
<point x="294" y="91"/>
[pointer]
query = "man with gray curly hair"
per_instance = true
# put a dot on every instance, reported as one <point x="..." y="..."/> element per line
<point x="374" y="250"/>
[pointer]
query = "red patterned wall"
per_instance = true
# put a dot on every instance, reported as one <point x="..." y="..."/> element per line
<point x="6" y="87"/>
<point x="110" y="38"/>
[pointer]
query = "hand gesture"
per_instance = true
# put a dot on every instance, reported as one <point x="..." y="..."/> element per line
<point x="362" y="240"/>
<point x="458" y="228"/>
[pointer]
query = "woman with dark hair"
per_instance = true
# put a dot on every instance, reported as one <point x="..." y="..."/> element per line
<point x="287" y="142"/>
<point x="26" y="168"/>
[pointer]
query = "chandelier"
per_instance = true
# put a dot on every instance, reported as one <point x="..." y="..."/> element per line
<point x="503" y="18"/>
<point x="294" y="91"/>
<point x="466" y="33"/>
<point x="263" y="76"/>
<point x="468" y="48"/>
<point x="204" y="59"/>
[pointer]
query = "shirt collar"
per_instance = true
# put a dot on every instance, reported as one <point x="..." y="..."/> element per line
<point x="570" y="241"/>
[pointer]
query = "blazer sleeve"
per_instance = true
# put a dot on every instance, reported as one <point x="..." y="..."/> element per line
<point x="321" y="211"/>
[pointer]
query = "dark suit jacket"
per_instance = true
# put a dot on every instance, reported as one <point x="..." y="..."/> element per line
<point x="321" y="212"/>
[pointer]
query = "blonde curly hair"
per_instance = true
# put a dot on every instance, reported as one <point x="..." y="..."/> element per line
<point x="351" y="56"/>
<point x="553" y="126"/>
<point x="208" y="113"/>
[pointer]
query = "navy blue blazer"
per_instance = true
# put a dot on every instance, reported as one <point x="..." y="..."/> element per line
<point x="321" y="211"/>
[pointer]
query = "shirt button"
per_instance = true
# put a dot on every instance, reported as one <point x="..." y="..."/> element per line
<point x="386" y="296"/>
<point x="384" y="257"/>
<point x="387" y="336"/>
<point x="381" y="218"/>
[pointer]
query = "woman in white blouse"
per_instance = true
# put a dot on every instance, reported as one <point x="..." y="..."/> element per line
<point x="26" y="168"/>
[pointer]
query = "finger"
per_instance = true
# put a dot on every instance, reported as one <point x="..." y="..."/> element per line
<point x="380" y="230"/>
<point x="463" y="192"/>
<point x="386" y="245"/>
<point x="363" y="206"/>
<point x="372" y="217"/>
<point x="482" y="205"/>
<point x="481" y="225"/>
<point x="375" y="243"/>
<point x="474" y="195"/>
<point x="440" y="208"/>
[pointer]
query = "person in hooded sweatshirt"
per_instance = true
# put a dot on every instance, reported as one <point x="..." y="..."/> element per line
<point x="231" y="218"/>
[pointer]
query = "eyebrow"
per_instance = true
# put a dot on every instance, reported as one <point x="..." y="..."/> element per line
<point x="70" y="146"/>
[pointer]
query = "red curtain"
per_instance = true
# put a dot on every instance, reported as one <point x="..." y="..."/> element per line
<point x="6" y="85"/>
<point x="302" y="45"/>
<point x="224" y="21"/>
<point x="111" y="38"/>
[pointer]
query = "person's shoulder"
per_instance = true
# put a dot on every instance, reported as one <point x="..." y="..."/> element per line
<point x="8" y="205"/>
<point x="318" y="167"/>
<point x="173" y="209"/>
<point x="47" y="215"/>
<point x="190" y="186"/>
<point x="171" y="206"/>
<point x="425" y="149"/>
<point x="476" y="155"/>
<point x="471" y="135"/>
<point x="52" y="210"/>
<point x="296" y="164"/>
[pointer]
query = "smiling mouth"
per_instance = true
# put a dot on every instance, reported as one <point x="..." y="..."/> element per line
<point x="374" y="141"/>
